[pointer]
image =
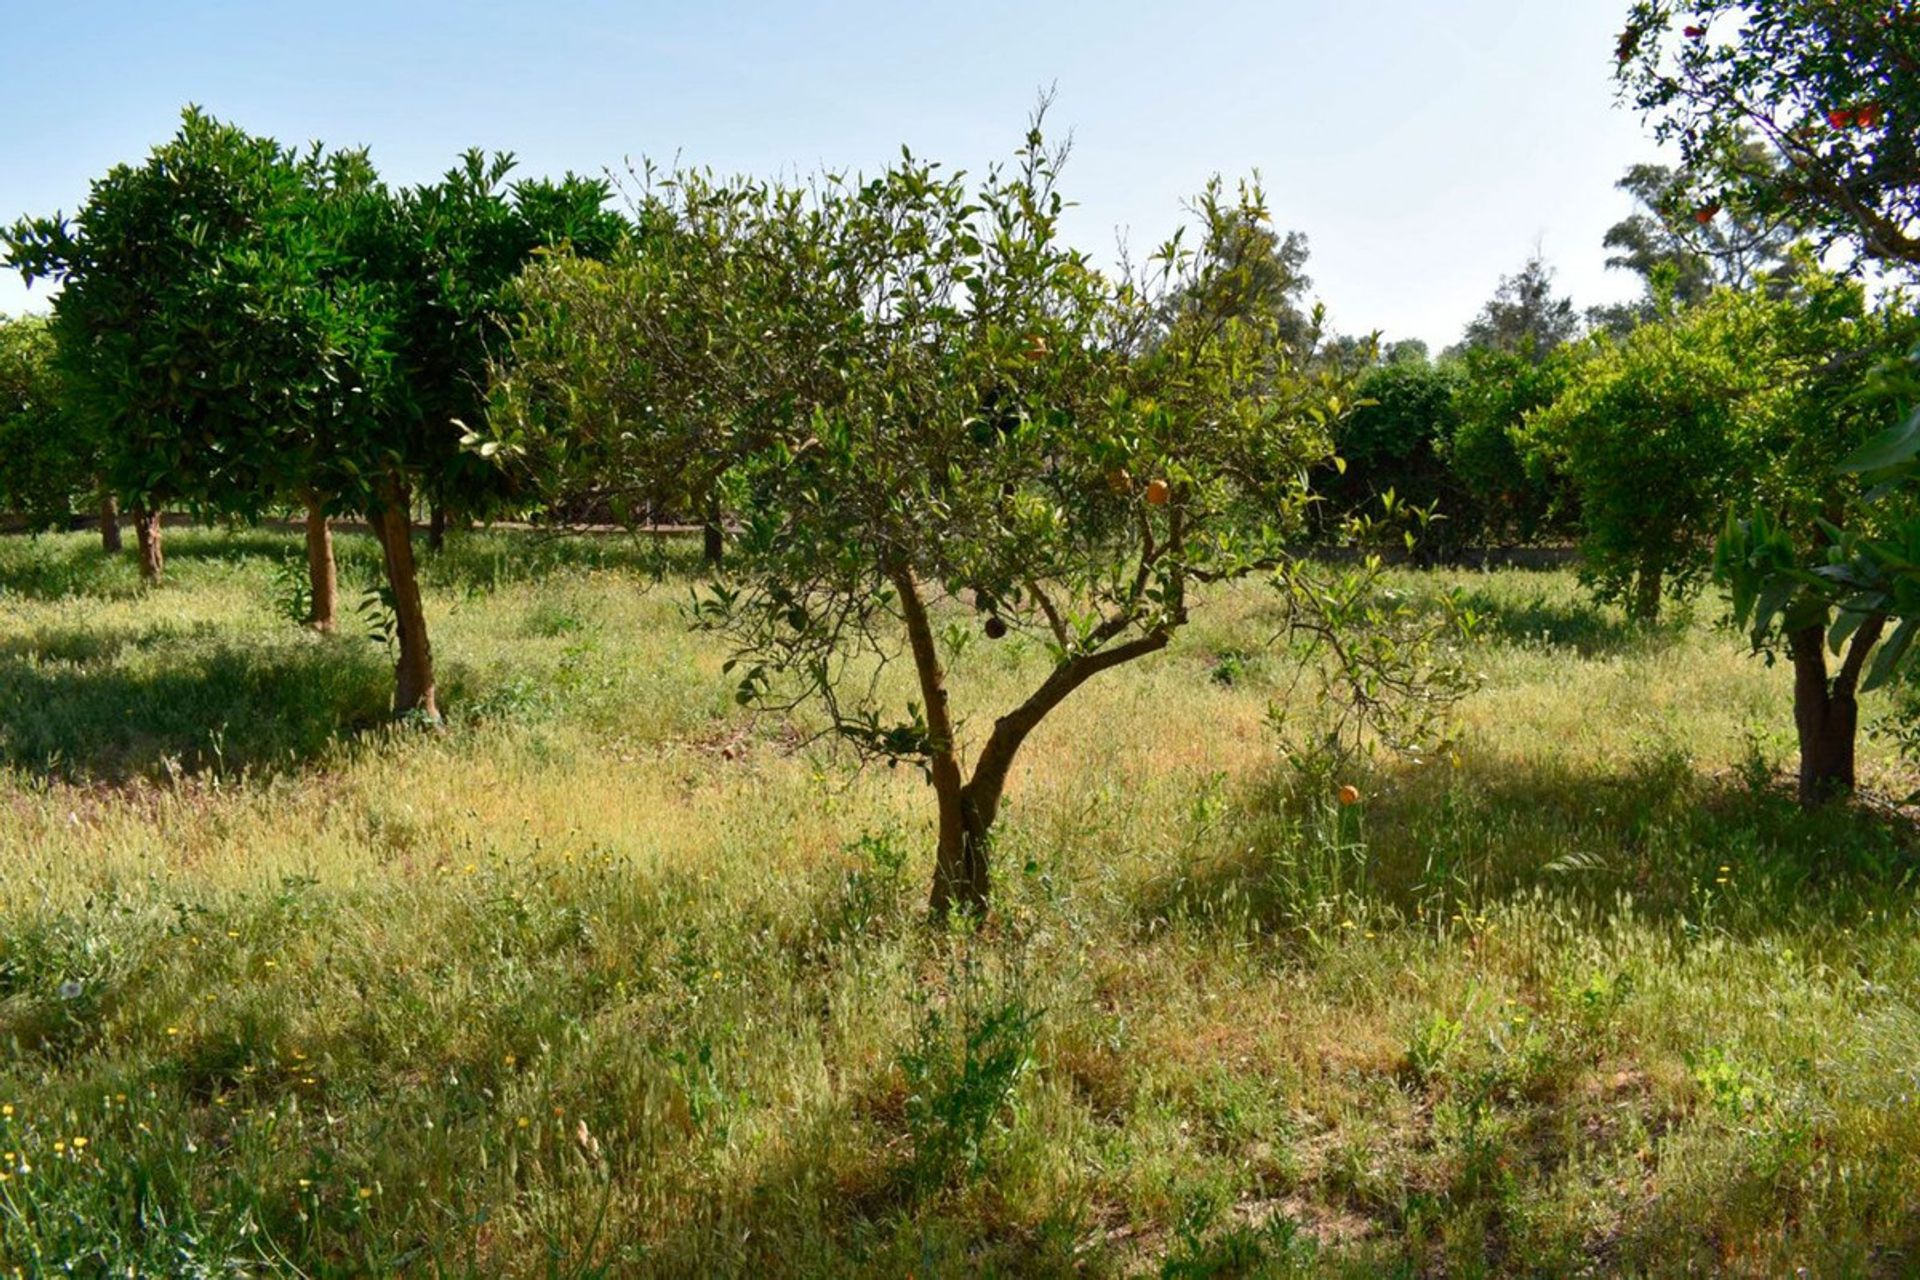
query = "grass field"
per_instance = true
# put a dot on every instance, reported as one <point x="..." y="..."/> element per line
<point x="613" y="978"/>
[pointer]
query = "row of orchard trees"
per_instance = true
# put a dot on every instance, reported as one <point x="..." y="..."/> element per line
<point x="244" y="328"/>
<point x="906" y="390"/>
<point x="1776" y="416"/>
<point x="1747" y="420"/>
<point x="1463" y="433"/>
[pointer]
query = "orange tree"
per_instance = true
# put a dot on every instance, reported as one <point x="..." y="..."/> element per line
<point x="923" y="399"/>
<point x="247" y="327"/>
<point x="1831" y="87"/>
<point x="47" y="461"/>
<point x="155" y="341"/>
<point x="218" y="352"/>
<point x="1655" y="433"/>
<point x="1838" y="572"/>
<point x="214" y="353"/>
<point x="434" y="264"/>
<point x="1806" y="556"/>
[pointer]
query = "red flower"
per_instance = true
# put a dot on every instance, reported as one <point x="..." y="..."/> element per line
<point x="1839" y="119"/>
<point x="1696" y="33"/>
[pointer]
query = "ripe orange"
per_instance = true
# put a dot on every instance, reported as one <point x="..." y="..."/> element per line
<point x="1158" y="492"/>
<point x="1349" y="794"/>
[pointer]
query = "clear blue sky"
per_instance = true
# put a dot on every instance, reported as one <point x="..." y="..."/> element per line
<point x="1424" y="146"/>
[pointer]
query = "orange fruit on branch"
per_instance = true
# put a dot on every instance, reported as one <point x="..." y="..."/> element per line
<point x="1158" y="491"/>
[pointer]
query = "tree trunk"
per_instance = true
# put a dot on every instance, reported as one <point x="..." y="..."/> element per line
<point x="324" y="612"/>
<point x="436" y="526"/>
<point x="109" y="525"/>
<point x="1646" y="595"/>
<point x="146" y="528"/>
<point x="960" y="861"/>
<point x="413" y="689"/>
<point x="713" y="544"/>
<point x="969" y="807"/>
<point x="960" y="878"/>
<point x="1826" y="713"/>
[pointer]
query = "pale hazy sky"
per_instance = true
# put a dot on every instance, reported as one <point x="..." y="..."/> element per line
<point x="1424" y="146"/>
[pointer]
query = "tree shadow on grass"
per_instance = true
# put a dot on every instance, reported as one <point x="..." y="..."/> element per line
<point x="840" y="1198"/>
<point x="1580" y="625"/>
<point x="356" y="555"/>
<point x="1499" y="830"/>
<point x="486" y="560"/>
<point x="79" y="645"/>
<point x="39" y="568"/>
<point x="112" y="708"/>
<point x="229" y="546"/>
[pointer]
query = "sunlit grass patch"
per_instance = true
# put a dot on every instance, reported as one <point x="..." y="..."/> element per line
<point x="612" y="977"/>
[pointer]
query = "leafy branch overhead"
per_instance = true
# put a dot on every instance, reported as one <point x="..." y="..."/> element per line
<point x="1831" y="89"/>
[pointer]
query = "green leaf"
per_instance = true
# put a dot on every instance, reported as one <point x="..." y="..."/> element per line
<point x="1891" y="448"/>
<point x="1890" y="657"/>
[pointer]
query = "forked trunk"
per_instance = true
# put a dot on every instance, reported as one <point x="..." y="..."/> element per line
<point x="1826" y="712"/>
<point x="146" y="528"/>
<point x="109" y="525"/>
<point x="323" y="578"/>
<point x="969" y="806"/>
<point x="413" y="689"/>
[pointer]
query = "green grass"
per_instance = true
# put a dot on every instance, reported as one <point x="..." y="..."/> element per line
<point x="613" y="978"/>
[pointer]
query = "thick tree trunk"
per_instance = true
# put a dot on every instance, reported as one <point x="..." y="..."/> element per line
<point x="146" y="528"/>
<point x="413" y="689"/>
<point x="1826" y="712"/>
<point x="324" y="580"/>
<point x="713" y="542"/>
<point x="1646" y="596"/>
<point x="437" y="526"/>
<point x="109" y="525"/>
